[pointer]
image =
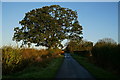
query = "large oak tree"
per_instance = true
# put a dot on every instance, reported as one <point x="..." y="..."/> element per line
<point x="48" y="26"/>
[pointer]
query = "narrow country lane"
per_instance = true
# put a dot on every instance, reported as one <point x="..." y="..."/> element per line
<point x="72" y="69"/>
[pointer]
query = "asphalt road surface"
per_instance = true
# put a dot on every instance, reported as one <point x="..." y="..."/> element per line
<point x="72" y="69"/>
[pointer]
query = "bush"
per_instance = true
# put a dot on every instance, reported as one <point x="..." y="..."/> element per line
<point x="55" y="52"/>
<point x="11" y="57"/>
<point x="106" y="54"/>
<point x="16" y="59"/>
<point x="34" y="54"/>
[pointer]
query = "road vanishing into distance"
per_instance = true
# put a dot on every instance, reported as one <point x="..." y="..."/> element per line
<point x="71" y="69"/>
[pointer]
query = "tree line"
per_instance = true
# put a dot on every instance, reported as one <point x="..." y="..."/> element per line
<point x="105" y="53"/>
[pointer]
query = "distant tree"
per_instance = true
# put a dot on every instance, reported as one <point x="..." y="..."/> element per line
<point x="71" y="46"/>
<point x="105" y="41"/>
<point x="79" y="45"/>
<point x="87" y="45"/>
<point x="105" y="52"/>
<point x="48" y="26"/>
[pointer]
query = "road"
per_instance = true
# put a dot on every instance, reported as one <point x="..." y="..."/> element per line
<point x="72" y="69"/>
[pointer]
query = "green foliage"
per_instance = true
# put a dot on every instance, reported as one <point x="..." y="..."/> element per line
<point x="34" y="71"/>
<point x="79" y="45"/>
<point x="97" y="72"/>
<point x="106" y="54"/>
<point x="10" y="59"/>
<point x="48" y="26"/>
<point x="17" y="59"/>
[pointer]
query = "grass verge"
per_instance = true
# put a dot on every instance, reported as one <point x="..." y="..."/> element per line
<point x="35" y="71"/>
<point x="97" y="72"/>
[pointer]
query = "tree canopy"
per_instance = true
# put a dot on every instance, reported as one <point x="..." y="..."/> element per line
<point x="79" y="45"/>
<point x="48" y="26"/>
